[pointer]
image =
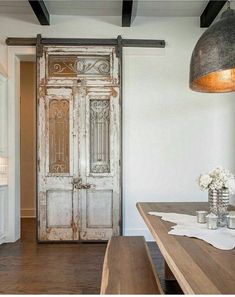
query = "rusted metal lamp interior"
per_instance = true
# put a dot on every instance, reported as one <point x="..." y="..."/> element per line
<point x="212" y="68"/>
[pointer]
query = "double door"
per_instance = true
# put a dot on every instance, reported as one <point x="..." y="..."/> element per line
<point x="79" y="195"/>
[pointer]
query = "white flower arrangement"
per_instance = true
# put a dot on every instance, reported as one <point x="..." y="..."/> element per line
<point x="217" y="179"/>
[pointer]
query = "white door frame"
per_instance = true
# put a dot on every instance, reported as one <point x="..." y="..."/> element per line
<point x="15" y="55"/>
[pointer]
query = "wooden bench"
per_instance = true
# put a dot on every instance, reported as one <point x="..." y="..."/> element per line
<point x="128" y="268"/>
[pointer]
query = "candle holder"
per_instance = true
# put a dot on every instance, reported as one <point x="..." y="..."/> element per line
<point x="201" y="216"/>
<point x="212" y="221"/>
<point x="231" y="220"/>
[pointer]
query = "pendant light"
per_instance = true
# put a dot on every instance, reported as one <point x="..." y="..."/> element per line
<point x="212" y="67"/>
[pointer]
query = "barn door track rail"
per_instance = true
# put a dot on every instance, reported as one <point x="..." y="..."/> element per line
<point x="118" y="42"/>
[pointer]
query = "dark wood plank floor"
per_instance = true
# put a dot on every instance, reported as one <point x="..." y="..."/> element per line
<point x="30" y="268"/>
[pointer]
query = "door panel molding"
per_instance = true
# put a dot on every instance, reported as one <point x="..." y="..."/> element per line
<point x="79" y="66"/>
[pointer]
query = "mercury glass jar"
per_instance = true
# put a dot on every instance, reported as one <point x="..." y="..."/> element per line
<point x="219" y="202"/>
<point x="201" y="216"/>
<point x="231" y="220"/>
<point x="212" y="221"/>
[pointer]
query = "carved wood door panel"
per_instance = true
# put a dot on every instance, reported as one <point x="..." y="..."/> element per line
<point x="79" y="195"/>
<point x="100" y="205"/>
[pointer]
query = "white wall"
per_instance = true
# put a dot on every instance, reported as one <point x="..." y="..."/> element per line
<point x="171" y="134"/>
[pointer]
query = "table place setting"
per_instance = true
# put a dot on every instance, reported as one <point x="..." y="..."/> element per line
<point x="186" y="225"/>
<point x="217" y="227"/>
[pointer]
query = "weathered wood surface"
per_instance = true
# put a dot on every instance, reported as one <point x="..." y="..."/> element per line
<point x="79" y="138"/>
<point x="198" y="267"/>
<point x="128" y="268"/>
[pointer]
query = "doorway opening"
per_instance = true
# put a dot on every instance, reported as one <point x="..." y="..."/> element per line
<point x="104" y="92"/>
<point x="27" y="147"/>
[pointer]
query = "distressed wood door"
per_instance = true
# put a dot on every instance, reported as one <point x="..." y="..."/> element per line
<point x="79" y="190"/>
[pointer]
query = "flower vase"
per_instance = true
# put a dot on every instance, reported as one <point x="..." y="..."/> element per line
<point x="218" y="203"/>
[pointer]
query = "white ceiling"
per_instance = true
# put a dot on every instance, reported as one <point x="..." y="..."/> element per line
<point x="109" y="7"/>
<point x="15" y="7"/>
<point x="171" y="8"/>
<point x="85" y="7"/>
<point x="114" y="7"/>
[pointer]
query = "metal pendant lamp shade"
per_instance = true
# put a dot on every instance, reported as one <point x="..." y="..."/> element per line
<point x="212" y="68"/>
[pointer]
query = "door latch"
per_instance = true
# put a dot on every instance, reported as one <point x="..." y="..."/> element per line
<point x="77" y="184"/>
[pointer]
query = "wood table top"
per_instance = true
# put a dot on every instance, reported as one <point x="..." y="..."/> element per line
<point x="198" y="267"/>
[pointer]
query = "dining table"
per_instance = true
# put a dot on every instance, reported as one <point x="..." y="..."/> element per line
<point x="198" y="267"/>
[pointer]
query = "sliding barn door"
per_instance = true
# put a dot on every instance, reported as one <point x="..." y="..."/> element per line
<point x="79" y="191"/>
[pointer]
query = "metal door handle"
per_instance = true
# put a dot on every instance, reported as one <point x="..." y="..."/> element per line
<point x="77" y="184"/>
<point x="81" y="186"/>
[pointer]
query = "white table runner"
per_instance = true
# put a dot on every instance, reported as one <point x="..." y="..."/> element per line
<point x="186" y="225"/>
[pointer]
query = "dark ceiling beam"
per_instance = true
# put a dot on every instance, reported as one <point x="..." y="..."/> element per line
<point x="210" y="12"/>
<point x="40" y="11"/>
<point x="129" y="8"/>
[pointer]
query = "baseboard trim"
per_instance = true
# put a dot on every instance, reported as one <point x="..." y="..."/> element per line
<point x="28" y="213"/>
<point x="139" y="232"/>
<point x="2" y="238"/>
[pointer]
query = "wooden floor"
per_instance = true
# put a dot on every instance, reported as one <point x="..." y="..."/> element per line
<point x="30" y="268"/>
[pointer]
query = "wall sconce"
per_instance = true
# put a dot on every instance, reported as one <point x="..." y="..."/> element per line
<point x="3" y="171"/>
